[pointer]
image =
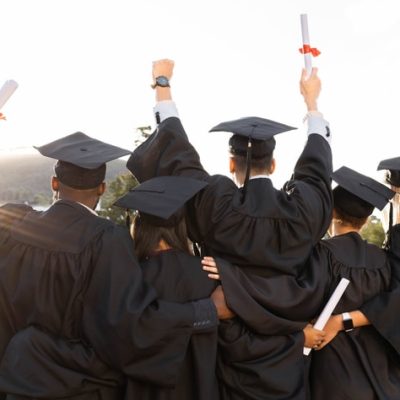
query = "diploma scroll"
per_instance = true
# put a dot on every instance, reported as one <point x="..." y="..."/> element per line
<point x="6" y="91"/>
<point x="328" y="309"/>
<point x="306" y="43"/>
<point x="307" y="50"/>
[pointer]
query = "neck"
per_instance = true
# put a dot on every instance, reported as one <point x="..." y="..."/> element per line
<point x="338" y="228"/>
<point x="239" y="177"/>
<point x="88" y="202"/>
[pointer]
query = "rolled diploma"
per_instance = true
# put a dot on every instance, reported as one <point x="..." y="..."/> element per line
<point x="306" y="40"/>
<point x="328" y="309"/>
<point x="6" y="91"/>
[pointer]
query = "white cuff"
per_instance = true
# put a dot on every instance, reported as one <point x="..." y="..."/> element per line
<point x="165" y="109"/>
<point x="317" y="124"/>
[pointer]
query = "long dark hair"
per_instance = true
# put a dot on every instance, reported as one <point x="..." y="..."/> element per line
<point x="147" y="236"/>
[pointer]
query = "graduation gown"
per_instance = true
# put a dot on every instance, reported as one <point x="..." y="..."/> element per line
<point x="265" y="229"/>
<point x="74" y="275"/>
<point x="360" y="364"/>
<point x="179" y="277"/>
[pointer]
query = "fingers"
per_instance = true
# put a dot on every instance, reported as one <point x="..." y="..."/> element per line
<point x="210" y="269"/>
<point x="303" y="75"/>
<point x="318" y="344"/>
<point x="209" y="262"/>
<point x="213" y="272"/>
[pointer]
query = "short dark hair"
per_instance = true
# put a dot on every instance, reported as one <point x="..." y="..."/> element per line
<point x="350" y="208"/>
<point x="257" y="165"/>
<point x="78" y="177"/>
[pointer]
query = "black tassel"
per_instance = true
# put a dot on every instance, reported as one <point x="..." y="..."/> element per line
<point x="248" y="167"/>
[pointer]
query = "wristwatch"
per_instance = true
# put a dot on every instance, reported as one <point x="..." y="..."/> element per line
<point x="161" y="81"/>
<point x="347" y="322"/>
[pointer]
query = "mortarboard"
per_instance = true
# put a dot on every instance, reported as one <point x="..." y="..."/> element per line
<point x="82" y="151"/>
<point x="357" y="194"/>
<point x="393" y="166"/>
<point x="253" y="137"/>
<point x="161" y="197"/>
<point x="81" y="159"/>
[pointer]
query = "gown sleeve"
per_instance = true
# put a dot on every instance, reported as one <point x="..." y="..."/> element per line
<point x="280" y="304"/>
<point x="130" y="329"/>
<point x="382" y="309"/>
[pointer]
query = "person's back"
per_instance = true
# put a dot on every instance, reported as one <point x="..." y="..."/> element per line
<point x="74" y="276"/>
<point x="276" y="228"/>
<point x="47" y="258"/>
<point x="168" y="265"/>
<point x="372" y="369"/>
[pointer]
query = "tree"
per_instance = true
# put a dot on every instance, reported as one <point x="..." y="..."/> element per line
<point x="373" y="231"/>
<point x="120" y="186"/>
<point x="116" y="189"/>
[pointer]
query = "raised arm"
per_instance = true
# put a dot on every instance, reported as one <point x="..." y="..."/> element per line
<point x="167" y="151"/>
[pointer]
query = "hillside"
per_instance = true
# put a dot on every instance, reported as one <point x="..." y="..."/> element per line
<point x="26" y="177"/>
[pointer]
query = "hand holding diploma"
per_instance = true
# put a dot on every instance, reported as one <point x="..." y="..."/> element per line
<point x="6" y="92"/>
<point x="328" y="309"/>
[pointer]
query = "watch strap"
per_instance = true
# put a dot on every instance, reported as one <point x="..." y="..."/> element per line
<point x="347" y="322"/>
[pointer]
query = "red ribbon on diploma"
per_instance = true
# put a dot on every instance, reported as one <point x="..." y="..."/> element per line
<point x="308" y="49"/>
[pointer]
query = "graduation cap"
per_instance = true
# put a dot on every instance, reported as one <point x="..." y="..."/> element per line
<point x="253" y="137"/>
<point x="393" y="167"/>
<point x="357" y="195"/>
<point x="81" y="159"/>
<point x="161" y="200"/>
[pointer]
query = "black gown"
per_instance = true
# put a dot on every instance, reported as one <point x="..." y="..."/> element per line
<point x="361" y="364"/>
<point x="179" y="277"/>
<point x="72" y="275"/>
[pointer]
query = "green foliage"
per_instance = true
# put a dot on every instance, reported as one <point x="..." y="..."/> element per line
<point x="116" y="189"/>
<point x="373" y="231"/>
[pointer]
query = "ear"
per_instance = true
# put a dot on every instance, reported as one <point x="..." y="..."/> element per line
<point x="55" y="184"/>
<point x="101" y="189"/>
<point x="232" y="165"/>
<point x="272" y="167"/>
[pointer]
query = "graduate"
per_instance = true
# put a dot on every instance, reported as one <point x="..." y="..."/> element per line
<point x="353" y="362"/>
<point x="357" y="358"/>
<point x="77" y="318"/>
<point x="257" y="225"/>
<point x="267" y="232"/>
<point x="168" y="265"/>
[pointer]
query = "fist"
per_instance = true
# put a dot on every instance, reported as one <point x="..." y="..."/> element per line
<point x="163" y="67"/>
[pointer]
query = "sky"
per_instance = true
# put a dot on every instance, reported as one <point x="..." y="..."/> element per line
<point x="85" y="65"/>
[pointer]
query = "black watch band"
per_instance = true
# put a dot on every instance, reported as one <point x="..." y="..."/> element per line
<point x="347" y="322"/>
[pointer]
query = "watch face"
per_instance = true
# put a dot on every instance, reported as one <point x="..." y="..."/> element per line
<point x="162" y="81"/>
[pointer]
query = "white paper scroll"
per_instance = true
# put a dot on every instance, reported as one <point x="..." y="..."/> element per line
<point x="306" y="42"/>
<point x="6" y="91"/>
<point x="328" y="309"/>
